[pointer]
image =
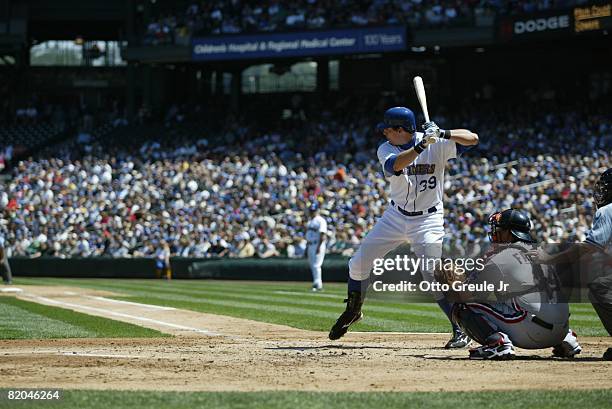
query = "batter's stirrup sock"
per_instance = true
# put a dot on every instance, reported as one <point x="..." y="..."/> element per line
<point x="354" y="301"/>
<point x="351" y="315"/>
<point x="357" y="285"/>
<point x="447" y="307"/>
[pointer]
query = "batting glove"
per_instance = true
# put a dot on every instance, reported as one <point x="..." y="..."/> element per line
<point x="429" y="140"/>
<point x="426" y="141"/>
<point x="432" y="132"/>
<point x="430" y="124"/>
<point x="439" y="133"/>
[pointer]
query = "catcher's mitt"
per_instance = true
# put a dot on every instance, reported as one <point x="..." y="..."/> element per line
<point x="448" y="275"/>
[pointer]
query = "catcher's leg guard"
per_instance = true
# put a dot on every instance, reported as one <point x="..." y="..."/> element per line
<point x="474" y="324"/>
<point x="351" y="315"/>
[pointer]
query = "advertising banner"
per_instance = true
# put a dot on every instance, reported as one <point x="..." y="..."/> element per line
<point x="310" y="43"/>
<point x="555" y="24"/>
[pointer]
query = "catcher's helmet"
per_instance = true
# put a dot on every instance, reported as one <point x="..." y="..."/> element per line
<point x="398" y="116"/>
<point x="514" y="220"/>
<point x="603" y="189"/>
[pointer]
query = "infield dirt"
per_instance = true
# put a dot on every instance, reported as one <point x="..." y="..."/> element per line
<point x="219" y="353"/>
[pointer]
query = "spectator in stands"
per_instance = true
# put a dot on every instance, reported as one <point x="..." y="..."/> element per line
<point x="266" y="249"/>
<point x="210" y="198"/>
<point x="245" y="248"/>
<point x="207" y="18"/>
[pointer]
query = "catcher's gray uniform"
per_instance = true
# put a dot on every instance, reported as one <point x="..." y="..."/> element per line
<point x="600" y="289"/>
<point x="527" y="310"/>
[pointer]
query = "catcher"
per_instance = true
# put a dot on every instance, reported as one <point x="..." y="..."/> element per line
<point x="526" y="315"/>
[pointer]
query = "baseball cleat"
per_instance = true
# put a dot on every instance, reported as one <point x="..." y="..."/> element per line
<point x="569" y="348"/>
<point x="498" y="347"/>
<point x="344" y="322"/>
<point x="316" y="289"/>
<point x="607" y="356"/>
<point x="351" y="315"/>
<point x="459" y="340"/>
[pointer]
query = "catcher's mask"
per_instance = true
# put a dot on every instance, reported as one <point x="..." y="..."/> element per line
<point x="603" y="189"/>
<point x="515" y="221"/>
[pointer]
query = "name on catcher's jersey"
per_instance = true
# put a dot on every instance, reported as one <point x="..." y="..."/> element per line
<point x="419" y="186"/>
<point x="315" y="227"/>
<point x="511" y="265"/>
<point x="531" y="287"/>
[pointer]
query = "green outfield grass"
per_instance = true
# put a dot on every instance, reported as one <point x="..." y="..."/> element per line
<point x="593" y="399"/>
<point x="290" y="303"/>
<point x="27" y="320"/>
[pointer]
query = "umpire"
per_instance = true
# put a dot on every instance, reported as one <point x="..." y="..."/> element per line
<point x="598" y="246"/>
<point x="5" y="269"/>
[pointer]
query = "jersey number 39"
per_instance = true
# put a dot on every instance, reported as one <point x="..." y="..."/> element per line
<point x="428" y="184"/>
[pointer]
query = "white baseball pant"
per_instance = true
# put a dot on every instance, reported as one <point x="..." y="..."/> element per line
<point x="524" y="329"/>
<point x="394" y="229"/>
<point x="315" y="260"/>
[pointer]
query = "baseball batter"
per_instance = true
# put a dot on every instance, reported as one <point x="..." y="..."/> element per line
<point x="316" y="236"/>
<point x="413" y="163"/>
<point x="598" y="249"/>
<point x="526" y="313"/>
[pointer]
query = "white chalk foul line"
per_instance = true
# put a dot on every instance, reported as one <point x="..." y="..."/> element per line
<point x="11" y="290"/>
<point x="120" y="314"/>
<point x="98" y="355"/>
<point x="67" y="353"/>
<point x="150" y="306"/>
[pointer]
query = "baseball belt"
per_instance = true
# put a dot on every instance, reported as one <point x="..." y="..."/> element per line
<point x="432" y="209"/>
<point x="542" y="323"/>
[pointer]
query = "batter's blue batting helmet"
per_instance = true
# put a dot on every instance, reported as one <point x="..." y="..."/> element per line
<point x="398" y="116"/>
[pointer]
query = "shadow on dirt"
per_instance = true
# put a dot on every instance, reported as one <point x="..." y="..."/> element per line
<point x="339" y="346"/>
<point x="516" y="358"/>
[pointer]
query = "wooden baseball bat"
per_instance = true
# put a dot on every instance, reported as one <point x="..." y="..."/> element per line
<point x="420" y="91"/>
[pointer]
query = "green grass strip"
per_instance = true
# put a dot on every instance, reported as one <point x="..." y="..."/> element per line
<point x="291" y="303"/>
<point x="28" y="320"/>
<point x="519" y="399"/>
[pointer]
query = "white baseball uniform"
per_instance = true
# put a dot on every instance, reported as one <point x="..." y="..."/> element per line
<point x="415" y="213"/>
<point x="316" y="254"/>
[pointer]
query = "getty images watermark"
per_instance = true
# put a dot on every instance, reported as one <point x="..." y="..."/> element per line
<point x="405" y="264"/>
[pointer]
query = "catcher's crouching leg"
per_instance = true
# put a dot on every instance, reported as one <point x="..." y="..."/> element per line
<point x="495" y="345"/>
<point x="351" y="315"/>
<point x="472" y="323"/>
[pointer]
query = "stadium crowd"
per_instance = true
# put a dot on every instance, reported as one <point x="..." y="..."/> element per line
<point x="247" y="193"/>
<point x="244" y="16"/>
